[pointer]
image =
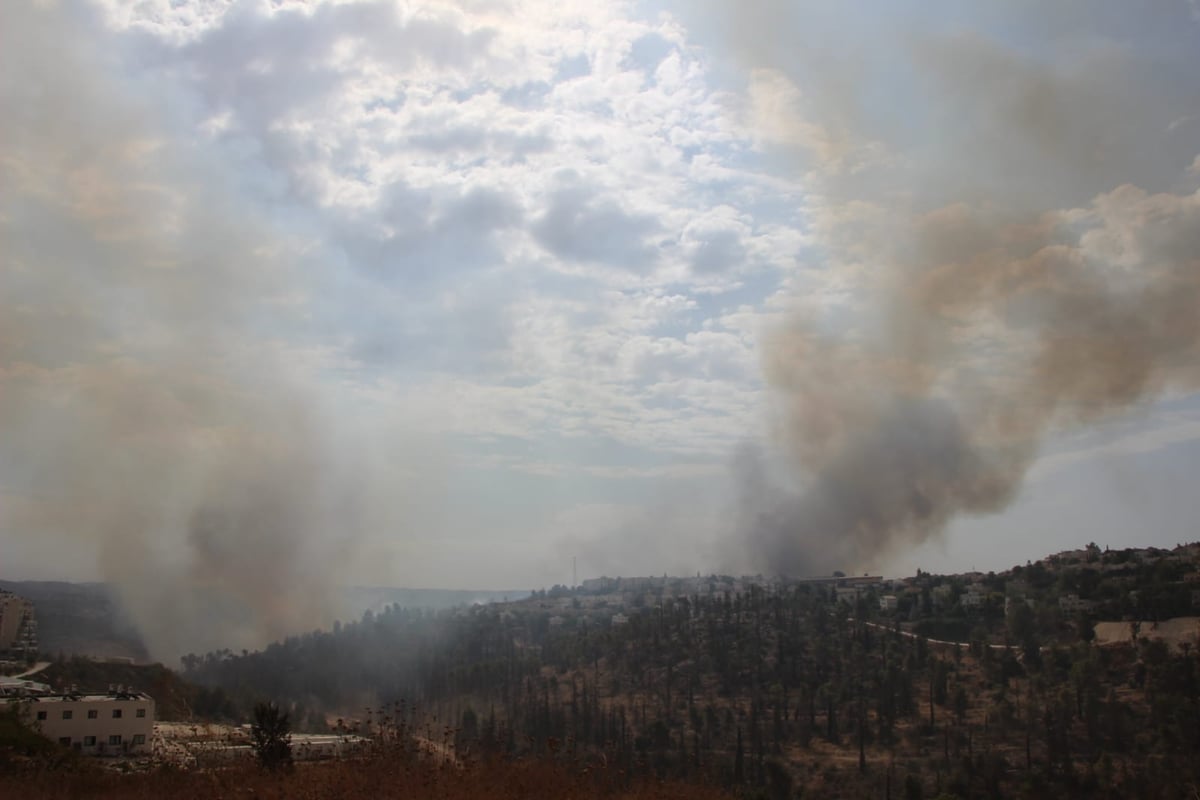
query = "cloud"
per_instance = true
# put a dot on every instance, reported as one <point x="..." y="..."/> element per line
<point x="417" y="238"/>
<point x="1173" y="430"/>
<point x="715" y="242"/>
<point x="648" y="51"/>
<point x="581" y="224"/>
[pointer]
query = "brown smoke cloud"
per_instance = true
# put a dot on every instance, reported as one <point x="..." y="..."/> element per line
<point x="1014" y="278"/>
<point x="147" y="412"/>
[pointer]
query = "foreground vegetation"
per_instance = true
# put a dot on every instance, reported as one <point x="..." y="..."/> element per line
<point x="385" y="773"/>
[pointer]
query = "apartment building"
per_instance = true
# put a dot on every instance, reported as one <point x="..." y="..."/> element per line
<point x="117" y="723"/>
<point x="18" y="625"/>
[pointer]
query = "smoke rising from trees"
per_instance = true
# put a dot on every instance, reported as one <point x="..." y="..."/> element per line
<point x="1023" y="237"/>
<point x="147" y="413"/>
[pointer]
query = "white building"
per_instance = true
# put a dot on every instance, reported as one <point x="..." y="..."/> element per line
<point x="888" y="603"/>
<point x="599" y="585"/>
<point x="973" y="597"/>
<point x="1072" y="603"/>
<point x="619" y="619"/>
<point x="847" y="594"/>
<point x="117" y="723"/>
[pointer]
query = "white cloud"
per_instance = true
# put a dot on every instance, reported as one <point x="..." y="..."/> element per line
<point x="1164" y="430"/>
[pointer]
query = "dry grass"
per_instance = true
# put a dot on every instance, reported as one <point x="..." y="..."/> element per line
<point x="1175" y="632"/>
<point x="383" y="775"/>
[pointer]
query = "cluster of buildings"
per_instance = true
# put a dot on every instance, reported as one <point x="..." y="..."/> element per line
<point x="666" y="586"/>
<point x="915" y="596"/>
<point x="653" y="587"/>
<point x="972" y="596"/>
<point x="607" y="600"/>
<point x="1087" y="580"/>
<point x="117" y="722"/>
<point x="610" y="599"/>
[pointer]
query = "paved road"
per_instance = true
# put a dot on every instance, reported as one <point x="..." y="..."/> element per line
<point x="911" y="635"/>
<point x="35" y="669"/>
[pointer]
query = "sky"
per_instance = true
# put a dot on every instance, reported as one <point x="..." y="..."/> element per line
<point x="448" y="294"/>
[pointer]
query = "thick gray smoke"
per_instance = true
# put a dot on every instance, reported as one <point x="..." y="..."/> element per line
<point x="1020" y="227"/>
<point x="146" y="413"/>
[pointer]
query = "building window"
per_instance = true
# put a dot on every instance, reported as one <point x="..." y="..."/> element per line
<point x="89" y="741"/>
<point x="116" y="713"/>
<point x="139" y="738"/>
<point x="41" y="715"/>
<point x="141" y="712"/>
<point x="65" y="741"/>
<point x="68" y="714"/>
<point x="93" y="714"/>
<point x="114" y="739"/>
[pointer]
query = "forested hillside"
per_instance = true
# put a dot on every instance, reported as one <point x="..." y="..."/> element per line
<point x="774" y="688"/>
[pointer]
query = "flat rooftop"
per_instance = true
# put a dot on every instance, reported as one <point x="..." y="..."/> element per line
<point x="77" y="698"/>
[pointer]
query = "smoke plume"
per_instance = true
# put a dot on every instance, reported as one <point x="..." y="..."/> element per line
<point x="146" y="412"/>
<point x="1019" y="229"/>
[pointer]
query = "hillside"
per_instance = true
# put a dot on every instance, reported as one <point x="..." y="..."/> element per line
<point x="175" y="698"/>
<point x="1065" y="676"/>
<point x="754" y="683"/>
<point x="87" y="619"/>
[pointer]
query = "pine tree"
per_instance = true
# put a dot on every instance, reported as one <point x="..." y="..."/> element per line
<point x="271" y="737"/>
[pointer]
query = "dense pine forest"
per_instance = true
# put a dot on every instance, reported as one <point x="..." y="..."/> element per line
<point x="774" y="690"/>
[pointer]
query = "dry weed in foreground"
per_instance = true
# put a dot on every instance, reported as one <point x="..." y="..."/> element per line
<point x="379" y="776"/>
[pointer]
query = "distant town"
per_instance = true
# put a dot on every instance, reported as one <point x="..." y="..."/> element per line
<point x="1128" y="584"/>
